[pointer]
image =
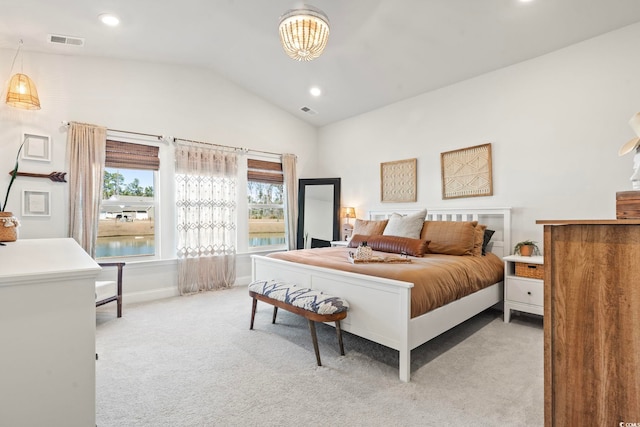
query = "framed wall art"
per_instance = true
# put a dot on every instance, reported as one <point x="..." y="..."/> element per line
<point x="36" y="203"/>
<point x="398" y="181"/>
<point x="36" y="147"/>
<point x="467" y="172"/>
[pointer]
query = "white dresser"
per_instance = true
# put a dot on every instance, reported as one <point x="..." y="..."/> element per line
<point x="522" y="293"/>
<point x="47" y="334"/>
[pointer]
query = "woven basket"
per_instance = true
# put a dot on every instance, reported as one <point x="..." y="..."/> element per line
<point x="8" y="227"/>
<point x="533" y="271"/>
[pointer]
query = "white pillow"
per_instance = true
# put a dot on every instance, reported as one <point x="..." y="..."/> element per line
<point x="405" y="226"/>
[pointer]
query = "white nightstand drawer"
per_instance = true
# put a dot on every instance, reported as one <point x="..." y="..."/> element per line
<point x="525" y="291"/>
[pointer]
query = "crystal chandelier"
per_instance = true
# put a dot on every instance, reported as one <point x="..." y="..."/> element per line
<point x="304" y="33"/>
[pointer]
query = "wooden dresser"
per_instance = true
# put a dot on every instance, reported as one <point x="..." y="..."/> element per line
<point x="592" y="322"/>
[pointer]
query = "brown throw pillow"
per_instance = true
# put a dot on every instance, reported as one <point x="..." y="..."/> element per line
<point x="392" y="244"/>
<point x="369" y="228"/>
<point x="477" y="246"/>
<point x="450" y="237"/>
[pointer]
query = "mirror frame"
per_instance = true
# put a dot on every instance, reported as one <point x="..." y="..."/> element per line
<point x="302" y="184"/>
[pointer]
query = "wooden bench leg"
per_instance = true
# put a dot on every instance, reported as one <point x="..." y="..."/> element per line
<point x="311" y="317"/>
<point x="119" y="305"/>
<point x="253" y="312"/>
<point x="312" y="328"/>
<point x="339" y="332"/>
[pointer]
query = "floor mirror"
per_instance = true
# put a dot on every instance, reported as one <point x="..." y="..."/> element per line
<point x="318" y="212"/>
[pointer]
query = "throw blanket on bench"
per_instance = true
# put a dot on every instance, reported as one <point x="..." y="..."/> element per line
<point x="307" y="299"/>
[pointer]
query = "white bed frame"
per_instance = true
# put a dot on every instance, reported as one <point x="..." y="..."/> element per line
<point x="380" y="309"/>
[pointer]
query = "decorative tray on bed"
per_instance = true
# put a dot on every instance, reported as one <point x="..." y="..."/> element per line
<point x="379" y="259"/>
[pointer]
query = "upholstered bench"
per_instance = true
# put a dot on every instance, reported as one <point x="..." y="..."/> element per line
<point x="308" y="303"/>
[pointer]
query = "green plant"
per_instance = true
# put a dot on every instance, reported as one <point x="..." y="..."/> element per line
<point x="519" y="245"/>
<point x="14" y="173"/>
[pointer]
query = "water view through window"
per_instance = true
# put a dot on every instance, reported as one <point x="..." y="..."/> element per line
<point x="127" y="215"/>
<point x="260" y="239"/>
<point x="125" y="246"/>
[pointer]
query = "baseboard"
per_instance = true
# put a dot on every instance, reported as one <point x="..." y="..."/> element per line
<point x="152" y="295"/>
<point x="168" y="292"/>
<point x="242" y="281"/>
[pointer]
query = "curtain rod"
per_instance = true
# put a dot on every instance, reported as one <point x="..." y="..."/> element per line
<point x="158" y="137"/>
<point x="244" y="150"/>
<point x="173" y="139"/>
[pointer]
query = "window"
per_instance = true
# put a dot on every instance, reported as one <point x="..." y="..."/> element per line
<point x="265" y="198"/>
<point x="127" y="212"/>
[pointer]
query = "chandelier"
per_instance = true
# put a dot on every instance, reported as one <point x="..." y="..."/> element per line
<point x="304" y="33"/>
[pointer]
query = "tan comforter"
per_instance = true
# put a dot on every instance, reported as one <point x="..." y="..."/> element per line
<point x="437" y="279"/>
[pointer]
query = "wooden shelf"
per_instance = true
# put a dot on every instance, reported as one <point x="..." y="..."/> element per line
<point x="588" y="221"/>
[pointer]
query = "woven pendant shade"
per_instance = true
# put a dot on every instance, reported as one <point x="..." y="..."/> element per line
<point x="304" y="33"/>
<point x="22" y="93"/>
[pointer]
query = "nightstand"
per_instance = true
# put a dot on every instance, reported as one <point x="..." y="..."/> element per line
<point x="342" y="243"/>
<point x="523" y="289"/>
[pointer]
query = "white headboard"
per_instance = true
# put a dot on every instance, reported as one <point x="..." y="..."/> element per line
<point x="497" y="219"/>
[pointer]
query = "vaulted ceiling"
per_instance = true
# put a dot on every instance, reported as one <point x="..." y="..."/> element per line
<point x="379" y="51"/>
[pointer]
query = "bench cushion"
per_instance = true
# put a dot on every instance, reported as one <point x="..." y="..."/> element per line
<point x="305" y="298"/>
<point x="106" y="289"/>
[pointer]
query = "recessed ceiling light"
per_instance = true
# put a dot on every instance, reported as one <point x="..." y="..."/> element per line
<point x="109" y="19"/>
<point x="315" y="91"/>
<point x="525" y="1"/>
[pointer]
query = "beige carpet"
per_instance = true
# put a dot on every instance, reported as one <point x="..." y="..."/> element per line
<point x="192" y="361"/>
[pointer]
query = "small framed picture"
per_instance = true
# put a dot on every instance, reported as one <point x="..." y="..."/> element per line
<point x="36" y="147"/>
<point x="36" y="203"/>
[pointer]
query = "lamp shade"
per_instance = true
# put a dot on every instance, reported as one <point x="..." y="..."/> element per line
<point x="304" y="33"/>
<point x="22" y="93"/>
<point x="349" y="212"/>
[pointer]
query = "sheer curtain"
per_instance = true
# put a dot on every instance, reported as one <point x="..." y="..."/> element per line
<point x="86" y="148"/>
<point x="206" y="180"/>
<point x="291" y="201"/>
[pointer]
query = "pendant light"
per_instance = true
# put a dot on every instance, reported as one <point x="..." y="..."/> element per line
<point x="22" y="92"/>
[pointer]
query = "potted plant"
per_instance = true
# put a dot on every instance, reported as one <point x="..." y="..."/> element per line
<point x="526" y="248"/>
<point x="8" y="222"/>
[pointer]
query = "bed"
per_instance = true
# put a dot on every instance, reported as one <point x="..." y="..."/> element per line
<point x="381" y="308"/>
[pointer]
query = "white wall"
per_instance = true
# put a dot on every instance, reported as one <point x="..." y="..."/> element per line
<point x="185" y="102"/>
<point x="555" y="124"/>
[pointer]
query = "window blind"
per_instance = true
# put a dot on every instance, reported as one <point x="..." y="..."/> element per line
<point x="131" y="156"/>
<point x="264" y="171"/>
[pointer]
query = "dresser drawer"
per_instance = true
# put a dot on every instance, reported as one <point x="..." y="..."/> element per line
<point x="525" y="291"/>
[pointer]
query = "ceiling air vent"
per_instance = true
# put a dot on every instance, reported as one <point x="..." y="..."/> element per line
<point x="73" y="41"/>
<point x="309" y="111"/>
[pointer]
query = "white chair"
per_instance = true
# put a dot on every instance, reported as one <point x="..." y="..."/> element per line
<point x="109" y="290"/>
